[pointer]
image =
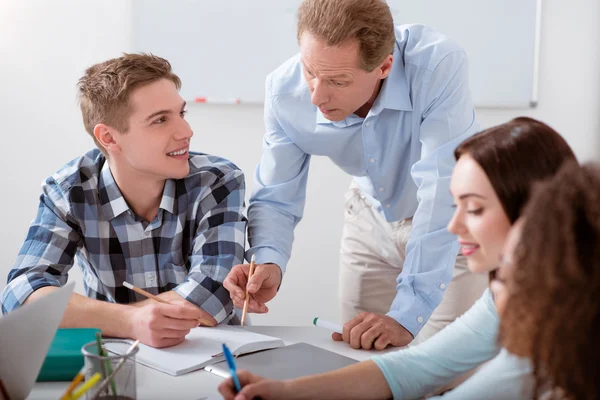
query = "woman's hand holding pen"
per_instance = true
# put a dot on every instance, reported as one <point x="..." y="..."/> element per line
<point x="254" y="386"/>
<point x="262" y="286"/>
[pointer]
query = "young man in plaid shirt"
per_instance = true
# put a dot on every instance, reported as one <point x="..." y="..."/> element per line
<point x="141" y="209"/>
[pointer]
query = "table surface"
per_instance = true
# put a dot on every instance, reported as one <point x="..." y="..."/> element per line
<point x="200" y="384"/>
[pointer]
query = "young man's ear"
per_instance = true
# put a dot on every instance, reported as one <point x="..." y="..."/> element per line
<point x="105" y="135"/>
<point x="386" y="67"/>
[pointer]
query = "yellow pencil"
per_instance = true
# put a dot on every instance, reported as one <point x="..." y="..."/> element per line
<point x="76" y="381"/>
<point x="157" y="299"/>
<point x="86" y="386"/>
<point x="250" y="273"/>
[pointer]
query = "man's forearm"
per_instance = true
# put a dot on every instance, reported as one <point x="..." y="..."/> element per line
<point x="356" y="382"/>
<point x="83" y="312"/>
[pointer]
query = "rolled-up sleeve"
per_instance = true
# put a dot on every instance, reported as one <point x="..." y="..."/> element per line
<point x="217" y="246"/>
<point x="48" y="251"/>
<point x="431" y="250"/>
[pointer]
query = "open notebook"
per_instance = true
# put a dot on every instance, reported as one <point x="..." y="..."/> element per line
<point x="199" y="347"/>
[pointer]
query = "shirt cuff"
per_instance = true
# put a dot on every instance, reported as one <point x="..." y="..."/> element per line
<point x="207" y="294"/>
<point x="18" y="290"/>
<point x="264" y="255"/>
<point x="415" y="317"/>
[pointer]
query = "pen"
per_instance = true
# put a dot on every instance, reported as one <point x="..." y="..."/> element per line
<point x="231" y="364"/>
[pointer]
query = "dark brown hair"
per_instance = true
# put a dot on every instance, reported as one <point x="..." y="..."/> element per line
<point x="105" y="89"/>
<point x="514" y="155"/>
<point x="370" y="22"/>
<point x="552" y="314"/>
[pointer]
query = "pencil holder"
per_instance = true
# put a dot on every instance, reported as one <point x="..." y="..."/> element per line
<point x="122" y="385"/>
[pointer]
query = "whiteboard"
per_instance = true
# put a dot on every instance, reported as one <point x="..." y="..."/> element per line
<point x="224" y="49"/>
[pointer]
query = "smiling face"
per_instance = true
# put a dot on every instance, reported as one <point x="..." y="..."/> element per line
<point x="479" y="221"/>
<point x="499" y="284"/>
<point x="156" y="144"/>
<point x="338" y="86"/>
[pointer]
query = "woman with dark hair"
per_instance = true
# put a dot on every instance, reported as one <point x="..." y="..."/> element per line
<point x="491" y="182"/>
<point x="546" y="287"/>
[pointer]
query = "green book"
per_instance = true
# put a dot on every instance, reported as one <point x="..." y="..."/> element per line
<point x="64" y="359"/>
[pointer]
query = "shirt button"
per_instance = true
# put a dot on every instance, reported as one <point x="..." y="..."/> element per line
<point x="368" y="124"/>
<point x="442" y="286"/>
<point x="151" y="276"/>
<point x="388" y="205"/>
<point x="381" y="189"/>
<point x="372" y="160"/>
<point x="420" y="319"/>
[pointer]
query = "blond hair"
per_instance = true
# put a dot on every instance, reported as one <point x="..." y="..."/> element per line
<point x="105" y="89"/>
<point x="336" y="21"/>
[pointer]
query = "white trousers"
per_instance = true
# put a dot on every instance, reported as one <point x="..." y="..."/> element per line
<point x="371" y="257"/>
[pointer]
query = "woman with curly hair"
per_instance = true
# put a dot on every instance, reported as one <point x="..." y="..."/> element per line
<point x="549" y="310"/>
<point x="490" y="184"/>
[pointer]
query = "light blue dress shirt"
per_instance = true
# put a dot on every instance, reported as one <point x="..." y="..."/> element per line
<point x="400" y="154"/>
<point x="463" y="345"/>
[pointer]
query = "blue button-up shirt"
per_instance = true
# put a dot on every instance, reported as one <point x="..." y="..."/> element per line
<point x="191" y="245"/>
<point x="404" y="146"/>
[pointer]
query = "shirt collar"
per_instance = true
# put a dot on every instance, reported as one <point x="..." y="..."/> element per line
<point x="394" y="94"/>
<point x="112" y="201"/>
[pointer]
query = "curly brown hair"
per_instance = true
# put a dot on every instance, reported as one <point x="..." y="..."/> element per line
<point x="553" y="315"/>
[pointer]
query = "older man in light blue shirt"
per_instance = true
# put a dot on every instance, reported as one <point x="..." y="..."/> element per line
<point x="390" y="121"/>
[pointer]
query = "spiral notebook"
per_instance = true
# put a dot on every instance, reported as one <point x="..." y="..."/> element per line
<point x="202" y="346"/>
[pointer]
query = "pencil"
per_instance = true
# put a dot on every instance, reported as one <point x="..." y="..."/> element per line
<point x="86" y="386"/>
<point x="104" y="383"/>
<point x="105" y="365"/>
<point x="144" y="293"/>
<point x="250" y="273"/>
<point x="157" y="299"/>
<point x="76" y="381"/>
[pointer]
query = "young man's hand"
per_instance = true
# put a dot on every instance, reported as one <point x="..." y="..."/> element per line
<point x="262" y="286"/>
<point x="253" y="386"/>
<point x="373" y="331"/>
<point x="163" y="325"/>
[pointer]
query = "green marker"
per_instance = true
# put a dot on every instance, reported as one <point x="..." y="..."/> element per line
<point x="321" y="323"/>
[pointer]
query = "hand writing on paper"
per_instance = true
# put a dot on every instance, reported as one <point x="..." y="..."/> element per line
<point x="373" y="331"/>
<point x="163" y="325"/>
<point x="253" y="386"/>
<point x="262" y="286"/>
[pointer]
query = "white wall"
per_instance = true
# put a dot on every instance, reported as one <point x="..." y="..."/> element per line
<point x="45" y="47"/>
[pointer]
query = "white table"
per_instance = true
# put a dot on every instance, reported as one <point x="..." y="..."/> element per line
<point x="152" y="384"/>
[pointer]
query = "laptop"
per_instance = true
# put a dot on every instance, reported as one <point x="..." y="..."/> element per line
<point x="25" y="337"/>
<point x="293" y="361"/>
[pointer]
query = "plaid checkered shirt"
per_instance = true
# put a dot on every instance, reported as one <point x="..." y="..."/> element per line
<point x="196" y="238"/>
